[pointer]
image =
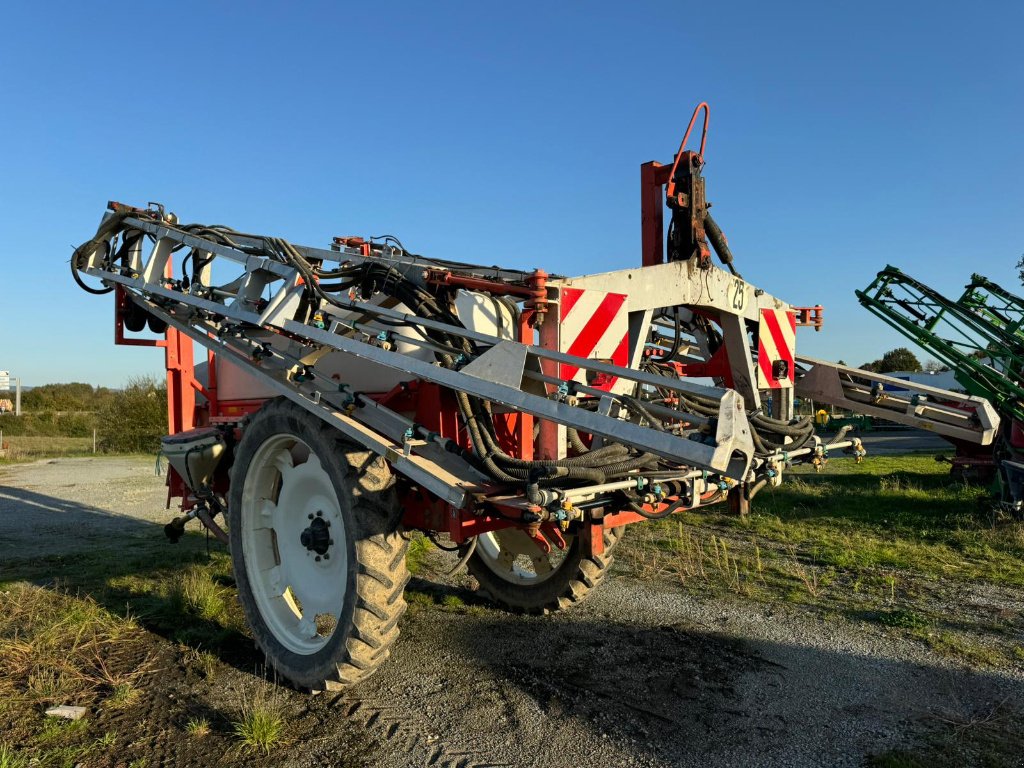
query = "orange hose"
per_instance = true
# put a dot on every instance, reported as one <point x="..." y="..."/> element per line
<point x="671" y="189"/>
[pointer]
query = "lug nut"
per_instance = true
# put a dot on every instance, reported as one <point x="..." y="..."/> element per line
<point x="318" y="558"/>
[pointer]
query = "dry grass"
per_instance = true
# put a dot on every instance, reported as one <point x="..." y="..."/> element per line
<point x="59" y="649"/>
<point x="30" y="448"/>
<point x="690" y="555"/>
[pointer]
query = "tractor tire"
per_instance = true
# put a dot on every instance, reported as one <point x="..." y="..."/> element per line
<point x="509" y="572"/>
<point x="319" y="562"/>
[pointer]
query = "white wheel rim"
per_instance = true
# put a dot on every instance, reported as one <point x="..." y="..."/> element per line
<point x="298" y="590"/>
<point x="516" y="558"/>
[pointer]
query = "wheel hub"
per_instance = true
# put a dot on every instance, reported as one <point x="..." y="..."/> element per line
<point x="317" y="537"/>
<point x="292" y="523"/>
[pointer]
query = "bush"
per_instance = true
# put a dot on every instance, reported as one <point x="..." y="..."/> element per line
<point x="65" y="397"/>
<point x="47" y="424"/>
<point x="135" y="419"/>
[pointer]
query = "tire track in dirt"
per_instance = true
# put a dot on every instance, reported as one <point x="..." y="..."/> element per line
<point x="399" y="732"/>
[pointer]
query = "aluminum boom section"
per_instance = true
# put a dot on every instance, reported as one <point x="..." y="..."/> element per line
<point x="731" y="452"/>
<point x="253" y="263"/>
<point x="950" y="414"/>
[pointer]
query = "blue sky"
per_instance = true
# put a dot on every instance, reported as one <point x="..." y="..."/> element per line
<point x="844" y="137"/>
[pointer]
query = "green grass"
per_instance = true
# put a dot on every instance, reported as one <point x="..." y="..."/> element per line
<point x="197" y="727"/>
<point x="261" y="726"/>
<point x="124" y="695"/>
<point x="191" y="603"/>
<point x="9" y="758"/>
<point x="900" y="512"/>
<point x="198" y="593"/>
<point x="180" y="591"/>
<point x="416" y="555"/>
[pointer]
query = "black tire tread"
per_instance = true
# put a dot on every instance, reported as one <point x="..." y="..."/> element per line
<point x="379" y="562"/>
<point x="575" y="579"/>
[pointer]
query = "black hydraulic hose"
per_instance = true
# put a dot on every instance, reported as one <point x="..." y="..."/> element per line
<point x="573" y="468"/>
<point x="470" y="549"/>
<point x="575" y="442"/>
<point x="634" y="405"/>
<point x="604" y="454"/>
<point x="753" y="490"/>
<point x="718" y="242"/>
<point x="640" y="462"/>
<point x="588" y="474"/>
<point x="669" y="510"/>
<point x="78" y="277"/>
<point x="676" y="341"/>
<point x="794" y="428"/>
<point x="765" y="447"/>
<point x="760" y="449"/>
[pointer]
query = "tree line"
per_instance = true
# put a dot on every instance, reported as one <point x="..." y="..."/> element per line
<point x="902" y="359"/>
<point x="129" y="420"/>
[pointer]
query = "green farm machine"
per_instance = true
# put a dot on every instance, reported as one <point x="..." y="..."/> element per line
<point x="980" y="336"/>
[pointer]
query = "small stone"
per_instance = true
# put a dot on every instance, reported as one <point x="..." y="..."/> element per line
<point x="67" y="711"/>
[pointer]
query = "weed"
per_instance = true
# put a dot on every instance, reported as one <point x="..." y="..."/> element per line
<point x="197" y="593"/>
<point x="416" y="554"/>
<point x="204" y="662"/>
<point x="260" y="726"/>
<point x="108" y="739"/>
<point x="139" y="763"/>
<point x="56" y="648"/>
<point x="417" y="599"/>
<point x="197" y="726"/>
<point x="959" y="647"/>
<point x="807" y="576"/>
<point x="54" y="729"/>
<point x="208" y="664"/>
<point x="124" y="695"/>
<point x="9" y="758"/>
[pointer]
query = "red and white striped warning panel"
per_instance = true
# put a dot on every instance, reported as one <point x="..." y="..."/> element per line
<point x="776" y="348"/>
<point x="593" y="324"/>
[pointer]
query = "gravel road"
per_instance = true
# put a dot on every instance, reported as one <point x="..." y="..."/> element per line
<point x="640" y="675"/>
